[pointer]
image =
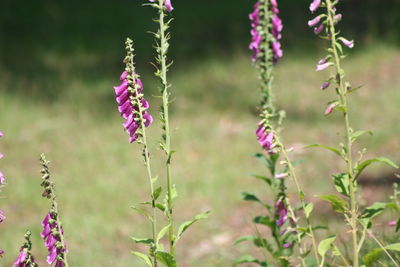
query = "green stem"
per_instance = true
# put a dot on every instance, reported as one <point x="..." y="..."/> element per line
<point x="343" y="98"/>
<point x="165" y="103"/>
<point x="300" y="192"/>
<point x="59" y="229"/>
<point x="149" y="174"/>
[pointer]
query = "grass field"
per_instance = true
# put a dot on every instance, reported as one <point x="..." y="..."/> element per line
<point x="72" y="117"/>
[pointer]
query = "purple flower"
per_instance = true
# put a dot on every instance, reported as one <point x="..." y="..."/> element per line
<point x="2" y="217"/>
<point x="329" y="108"/>
<point x="132" y="88"/>
<point x="325" y="85"/>
<point x="281" y="211"/>
<point x="167" y="3"/>
<point x="314" y="21"/>
<point x="20" y="261"/>
<point x="392" y="223"/>
<point x="349" y="44"/>
<point x="337" y="18"/>
<point x="1" y="253"/>
<point x="319" y="29"/>
<point x="323" y="66"/>
<point x="287" y="245"/>
<point x="315" y="5"/>
<point x="2" y="179"/>
<point x="265" y="138"/>
<point x="52" y="238"/>
<point x="281" y="175"/>
<point x="256" y="37"/>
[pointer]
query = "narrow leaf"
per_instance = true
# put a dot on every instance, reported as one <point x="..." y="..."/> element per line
<point x="166" y="259"/>
<point x="187" y="224"/>
<point x="162" y="233"/>
<point x="338" y="204"/>
<point x="360" y="167"/>
<point x="308" y="209"/>
<point x="332" y="149"/>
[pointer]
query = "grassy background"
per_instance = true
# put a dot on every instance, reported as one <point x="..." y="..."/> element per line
<point x="56" y="97"/>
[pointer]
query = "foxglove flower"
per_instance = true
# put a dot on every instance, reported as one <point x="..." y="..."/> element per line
<point x="315" y="5"/>
<point x="51" y="234"/>
<point x="266" y="138"/>
<point x="282" y="212"/>
<point x="314" y="22"/>
<point x="330" y="108"/>
<point x="129" y="90"/>
<point x="167" y="3"/>
<point x="349" y="44"/>
<point x="392" y="223"/>
<point x="325" y="85"/>
<point x="25" y="258"/>
<point x="323" y="66"/>
<point x="2" y="217"/>
<point x="258" y="37"/>
<point x="1" y="253"/>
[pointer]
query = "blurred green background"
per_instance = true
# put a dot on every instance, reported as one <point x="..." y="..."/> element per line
<point x="59" y="61"/>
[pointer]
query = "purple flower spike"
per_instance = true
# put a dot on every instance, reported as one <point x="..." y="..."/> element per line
<point x="314" y="21"/>
<point x="266" y="139"/>
<point x="128" y="111"/>
<point x="315" y="5"/>
<point x="349" y="44"/>
<point x="51" y="236"/>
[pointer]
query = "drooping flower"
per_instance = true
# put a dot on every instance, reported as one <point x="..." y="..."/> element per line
<point x="314" y="21"/>
<point x="167" y="3"/>
<point x="266" y="138"/>
<point x="282" y="212"/>
<point x="323" y="66"/>
<point x="129" y="89"/>
<point x="349" y="44"/>
<point x="281" y="175"/>
<point x="258" y="36"/>
<point x="52" y="234"/>
<point x="2" y="217"/>
<point x="329" y="108"/>
<point x="315" y="5"/>
<point x="325" y="85"/>
<point x="319" y="29"/>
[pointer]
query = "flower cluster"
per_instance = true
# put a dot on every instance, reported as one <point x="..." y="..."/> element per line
<point x="25" y="258"/>
<point x="52" y="234"/>
<point x="131" y="104"/>
<point x="266" y="138"/>
<point x="270" y="37"/>
<point x="167" y="3"/>
<point x="319" y="23"/>
<point x="282" y="216"/>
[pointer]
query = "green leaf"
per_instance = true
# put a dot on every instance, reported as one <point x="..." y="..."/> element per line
<point x="244" y="238"/>
<point x="166" y="259"/>
<point x="157" y="193"/>
<point x="141" y="211"/>
<point x="143" y="257"/>
<point x="308" y="209"/>
<point x="372" y="256"/>
<point x="263" y="178"/>
<point x="250" y="259"/>
<point x="398" y="225"/>
<point x="160" y="206"/>
<point x="342" y="183"/>
<point x="250" y="197"/>
<point x="374" y="210"/>
<point x="184" y="226"/>
<point x="354" y="136"/>
<point x="265" y="220"/>
<point x="325" y="245"/>
<point x="162" y="233"/>
<point x="338" y="204"/>
<point x="147" y="241"/>
<point x="376" y="253"/>
<point x="360" y="167"/>
<point x="332" y="149"/>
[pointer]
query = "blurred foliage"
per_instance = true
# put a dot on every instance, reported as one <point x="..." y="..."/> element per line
<point x="44" y="43"/>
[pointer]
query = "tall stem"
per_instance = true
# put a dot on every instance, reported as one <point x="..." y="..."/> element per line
<point x="300" y="192"/>
<point x="349" y="162"/>
<point x="165" y="102"/>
